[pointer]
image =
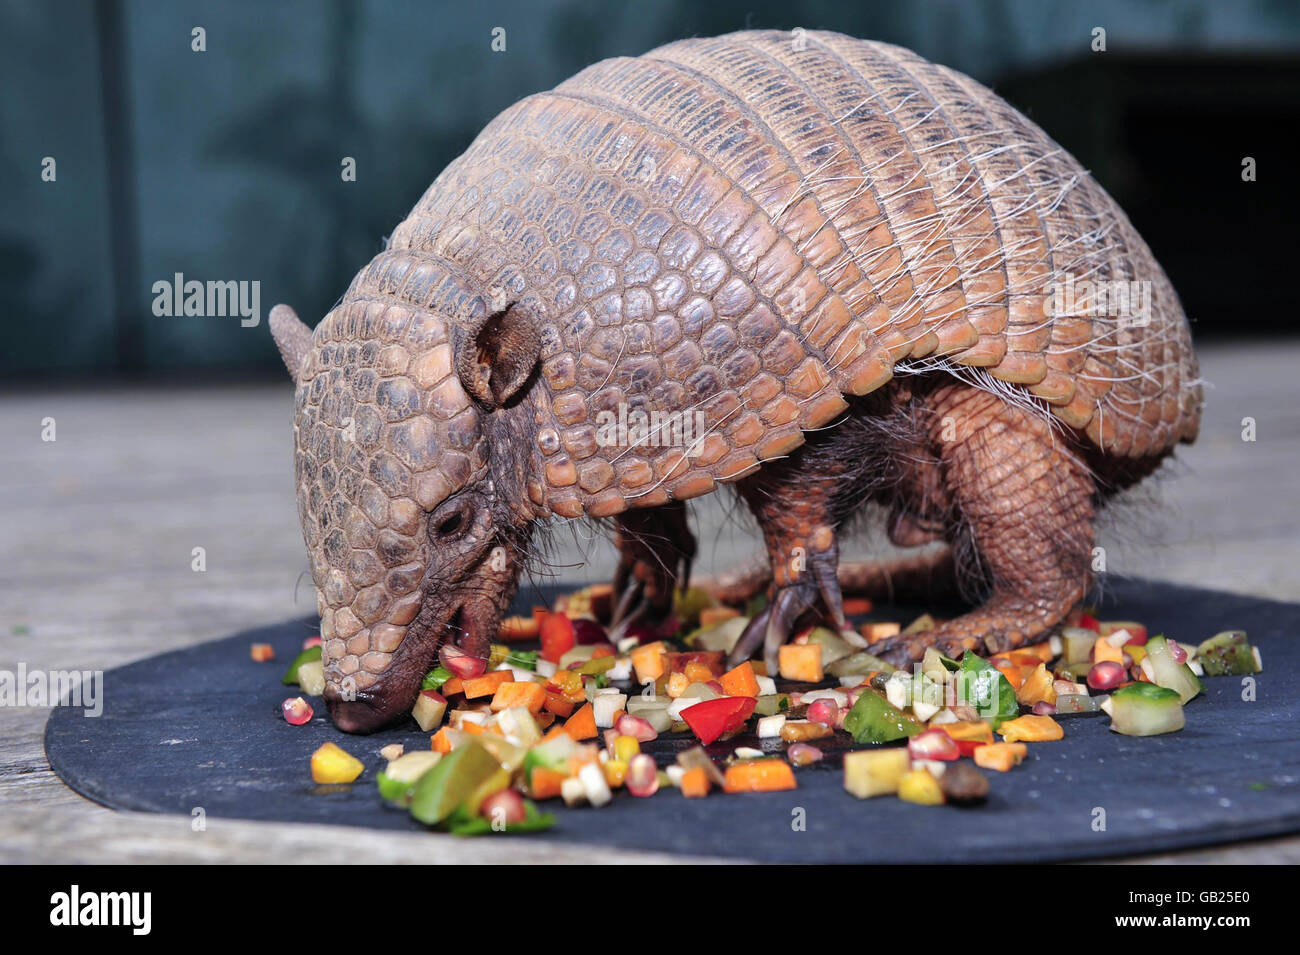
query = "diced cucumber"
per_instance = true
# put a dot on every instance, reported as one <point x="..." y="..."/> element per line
<point x="722" y="637"/>
<point x="1078" y="644"/>
<point x="1144" y="709"/>
<point x="1165" y="672"/>
<point x="399" y="777"/>
<point x="860" y="662"/>
<point x="457" y="778"/>
<point x="311" y="678"/>
<point x="771" y="704"/>
<point x="1228" y="654"/>
<point x="307" y="656"/>
<point x="553" y="754"/>
<point x="834" y="647"/>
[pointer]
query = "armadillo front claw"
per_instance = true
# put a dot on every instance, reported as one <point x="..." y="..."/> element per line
<point x="774" y="625"/>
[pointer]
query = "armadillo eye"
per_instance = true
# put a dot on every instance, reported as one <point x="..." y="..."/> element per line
<point x="452" y="524"/>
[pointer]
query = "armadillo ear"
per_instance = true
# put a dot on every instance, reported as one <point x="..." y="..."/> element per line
<point x="495" y="359"/>
<point x="291" y="336"/>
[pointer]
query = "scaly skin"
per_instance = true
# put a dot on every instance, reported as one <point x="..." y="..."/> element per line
<point x="759" y="229"/>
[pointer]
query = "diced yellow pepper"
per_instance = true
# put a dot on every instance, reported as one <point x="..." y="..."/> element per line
<point x="920" y="787"/>
<point x="330" y="764"/>
<point x="615" y="772"/>
<point x="625" y="747"/>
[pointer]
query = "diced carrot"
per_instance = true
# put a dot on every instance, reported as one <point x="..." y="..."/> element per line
<point x="760" y="776"/>
<point x="697" y="672"/>
<point x="802" y="664"/>
<point x="441" y="741"/>
<point x="1102" y="651"/>
<point x="1015" y="675"/>
<point x="1031" y="728"/>
<point x="602" y="652"/>
<point x="261" y="652"/>
<point x="558" y="705"/>
<point x="453" y="686"/>
<point x="856" y="606"/>
<point x="486" y="685"/>
<point x="582" y="724"/>
<point x="518" y="628"/>
<point x="545" y="783"/>
<point x="530" y="696"/>
<point x="556" y="730"/>
<point x="695" y="783"/>
<point x="649" y="661"/>
<point x="969" y="729"/>
<point x="712" y="616"/>
<point x="875" y="632"/>
<point x="740" y="681"/>
<point x="1000" y="756"/>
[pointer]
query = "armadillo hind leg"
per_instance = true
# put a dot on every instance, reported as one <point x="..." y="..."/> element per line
<point x="1024" y="500"/>
<point x="656" y="549"/>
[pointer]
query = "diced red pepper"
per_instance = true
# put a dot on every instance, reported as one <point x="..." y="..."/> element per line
<point x="712" y="718"/>
<point x="557" y="635"/>
<point x="1087" y="622"/>
<point x="967" y="747"/>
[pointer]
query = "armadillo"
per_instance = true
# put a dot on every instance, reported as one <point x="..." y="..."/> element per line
<point x="823" y="271"/>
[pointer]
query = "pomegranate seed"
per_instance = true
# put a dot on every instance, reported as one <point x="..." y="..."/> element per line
<point x="311" y="642"/>
<point x="637" y="727"/>
<point x="506" y="806"/>
<point x="642" y="775"/>
<point x="297" y="711"/>
<point x="587" y="632"/>
<point x="461" y="663"/>
<point x="801" y="754"/>
<point x="610" y="735"/>
<point x="1043" y="708"/>
<point x="1177" y="652"/>
<point x="643" y="632"/>
<point x="823" y="711"/>
<point x="933" y="744"/>
<point x="1106" y="675"/>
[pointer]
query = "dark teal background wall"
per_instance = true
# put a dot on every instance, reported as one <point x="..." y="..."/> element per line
<point x="225" y="164"/>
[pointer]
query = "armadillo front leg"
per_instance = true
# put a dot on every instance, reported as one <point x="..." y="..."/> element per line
<point x="656" y="549"/>
<point x="799" y="516"/>
<point x="1026" y="503"/>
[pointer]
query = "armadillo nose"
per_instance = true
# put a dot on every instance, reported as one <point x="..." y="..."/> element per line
<point x="356" y="716"/>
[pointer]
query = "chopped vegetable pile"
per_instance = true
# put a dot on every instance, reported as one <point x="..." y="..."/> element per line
<point x="569" y="721"/>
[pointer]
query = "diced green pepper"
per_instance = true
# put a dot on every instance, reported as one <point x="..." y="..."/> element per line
<point x="523" y="659"/>
<point x="435" y="678"/>
<point x="988" y="690"/>
<point x="462" y="824"/>
<point x="874" y="720"/>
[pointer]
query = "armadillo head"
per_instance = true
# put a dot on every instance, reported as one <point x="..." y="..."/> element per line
<point x="414" y="528"/>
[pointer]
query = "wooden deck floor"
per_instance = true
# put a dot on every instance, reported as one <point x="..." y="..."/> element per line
<point x="99" y="528"/>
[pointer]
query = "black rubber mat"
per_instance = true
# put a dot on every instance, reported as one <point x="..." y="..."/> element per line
<point x="202" y="728"/>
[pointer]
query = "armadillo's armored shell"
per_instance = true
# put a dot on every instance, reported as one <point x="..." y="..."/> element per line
<point x="383" y="432"/>
<point x="753" y="225"/>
